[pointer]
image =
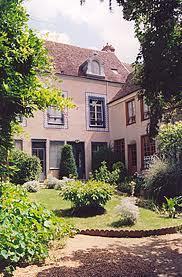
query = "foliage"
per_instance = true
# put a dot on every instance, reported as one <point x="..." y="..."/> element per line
<point x="106" y="154"/>
<point x="163" y="179"/>
<point x="90" y="194"/>
<point x="129" y="211"/>
<point x="146" y="204"/>
<point x="51" y="182"/>
<point x="68" y="165"/>
<point x="28" y="168"/>
<point x="123" y="171"/>
<point x="22" y="58"/>
<point x="32" y="186"/>
<point x="26" y="228"/>
<point x="159" y="63"/>
<point x="170" y="141"/>
<point x="171" y="205"/>
<point x="104" y="175"/>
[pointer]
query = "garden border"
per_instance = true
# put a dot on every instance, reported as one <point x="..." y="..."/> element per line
<point x="130" y="233"/>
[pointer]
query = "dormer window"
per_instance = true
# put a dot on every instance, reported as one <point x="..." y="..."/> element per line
<point x="95" y="68"/>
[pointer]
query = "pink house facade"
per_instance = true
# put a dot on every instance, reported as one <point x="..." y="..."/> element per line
<point x="96" y="81"/>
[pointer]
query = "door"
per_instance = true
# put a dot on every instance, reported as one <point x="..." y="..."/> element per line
<point x="132" y="158"/>
<point x="39" y="150"/>
<point x="79" y="155"/>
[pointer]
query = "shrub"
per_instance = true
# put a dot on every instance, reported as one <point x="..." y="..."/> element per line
<point x="32" y="186"/>
<point x="163" y="179"/>
<point x="123" y="171"/>
<point x="90" y="194"/>
<point x="104" y="175"/>
<point x="129" y="211"/>
<point x="51" y="182"/>
<point x="28" y="167"/>
<point x="68" y="165"/>
<point x="62" y="183"/>
<point x="146" y="204"/>
<point x="26" y="228"/>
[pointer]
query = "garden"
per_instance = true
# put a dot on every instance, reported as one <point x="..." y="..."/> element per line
<point x="35" y="215"/>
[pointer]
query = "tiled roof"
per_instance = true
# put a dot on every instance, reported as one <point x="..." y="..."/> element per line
<point x="126" y="88"/>
<point x="68" y="58"/>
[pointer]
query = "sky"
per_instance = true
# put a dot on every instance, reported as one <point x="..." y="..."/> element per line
<point x="89" y="26"/>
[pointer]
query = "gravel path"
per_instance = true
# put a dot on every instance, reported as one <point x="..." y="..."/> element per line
<point x="87" y="256"/>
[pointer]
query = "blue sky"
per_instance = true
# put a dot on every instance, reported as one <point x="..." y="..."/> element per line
<point x="90" y="26"/>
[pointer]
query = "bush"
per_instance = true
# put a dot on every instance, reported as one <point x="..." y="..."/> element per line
<point x="129" y="211"/>
<point x="90" y="194"/>
<point x="104" y="175"/>
<point x="123" y="171"/>
<point x="68" y="165"/>
<point x="28" y="167"/>
<point x="26" y="228"/>
<point x="31" y="186"/>
<point x="146" y="204"/>
<point x="62" y="183"/>
<point x="163" y="179"/>
<point x="51" y="182"/>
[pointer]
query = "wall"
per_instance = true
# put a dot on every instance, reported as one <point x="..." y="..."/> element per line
<point x="76" y="88"/>
<point x="131" y="133"/>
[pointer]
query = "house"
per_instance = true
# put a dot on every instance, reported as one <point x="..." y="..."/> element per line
<point x="107" y="111"/>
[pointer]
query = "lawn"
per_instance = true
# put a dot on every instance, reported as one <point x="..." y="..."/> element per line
<point x="147" y="220"/>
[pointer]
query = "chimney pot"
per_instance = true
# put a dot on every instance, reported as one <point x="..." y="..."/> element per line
<point x="108" y="48"/>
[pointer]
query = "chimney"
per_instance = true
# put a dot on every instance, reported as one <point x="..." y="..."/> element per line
<point x="108" y="48"/>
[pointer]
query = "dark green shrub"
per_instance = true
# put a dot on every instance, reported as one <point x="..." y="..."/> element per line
<point x="28" y="167"/>
<point x="26" y="228"/>
<point x="104" y="175"/>
<point x="123" y="171"/>
<point x="163" y="179"/>
<point x="104" y="154"/>
<point x="146" y="204"/>
<point x="90" y="194"/>
<point x="68" y="165"/>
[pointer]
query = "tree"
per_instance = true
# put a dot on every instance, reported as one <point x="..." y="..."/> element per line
<point x="158" y="67"/>
<point x="22" y="58"/>
<point x="68" y="165"/>
<point x="170" y="141"/>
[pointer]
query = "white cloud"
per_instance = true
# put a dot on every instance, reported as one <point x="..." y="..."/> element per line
<point x="54" y="36"/>
<point x="111" y="27"/>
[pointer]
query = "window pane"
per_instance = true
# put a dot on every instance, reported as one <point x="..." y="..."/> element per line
<point x="19" y="144"/>
<point x="55" y="117"/>
<point x="55" y="153"/>
<point x="96" y="112"/>
<point x="95" y="67"/>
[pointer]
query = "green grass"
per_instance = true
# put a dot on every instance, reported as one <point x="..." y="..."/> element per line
<point x="147" y="219"/>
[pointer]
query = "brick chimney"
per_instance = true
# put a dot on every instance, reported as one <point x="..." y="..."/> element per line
<point x="108" y="48"/>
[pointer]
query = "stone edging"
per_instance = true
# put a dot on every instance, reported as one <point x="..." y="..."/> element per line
<point x="130" y="233"/>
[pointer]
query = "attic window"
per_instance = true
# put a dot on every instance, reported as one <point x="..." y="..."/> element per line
<point x="95" y="68"/>
<point x="114" y="70"/>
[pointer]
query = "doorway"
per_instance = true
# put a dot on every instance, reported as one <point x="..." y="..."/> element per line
<point x="79" y="155"/>
<point x="132" y="158"/>
<point x="39" y="150"/>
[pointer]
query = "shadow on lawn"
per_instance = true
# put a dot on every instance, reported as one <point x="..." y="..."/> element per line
<point x="152" y="258"/>
<point x="80" y="212"/>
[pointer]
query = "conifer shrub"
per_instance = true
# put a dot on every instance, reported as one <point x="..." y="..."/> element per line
<point x="28" y="168"/>
<point x="68" y="165"/>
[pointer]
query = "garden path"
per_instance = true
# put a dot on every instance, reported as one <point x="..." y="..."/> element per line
<point x="87" y="256"/>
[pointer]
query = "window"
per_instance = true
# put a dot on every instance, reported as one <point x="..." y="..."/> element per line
<point x="130" y="112"/>
<point x="55" y="154"/>
<point x="144" y="110"/>
<point x="95" y="68"/>
<point x="97" y="112"/>
<point x="148" y="150"/>
<point x="119" y="148"/>
<point x="55" y="117"/>
<point x="97" y="146"/>
<point x="19" y="144"/>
